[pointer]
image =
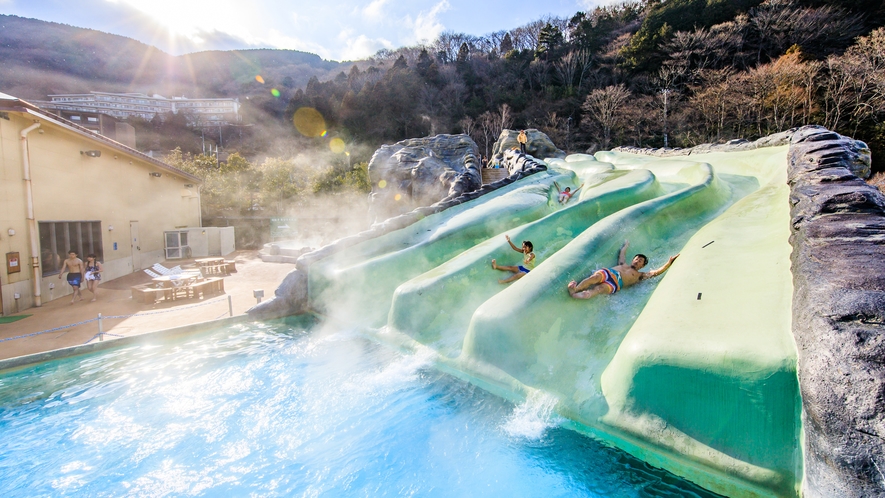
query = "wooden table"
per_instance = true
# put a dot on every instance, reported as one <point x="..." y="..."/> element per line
<point x="212" y="266"/>
<point x="177" y="284"/>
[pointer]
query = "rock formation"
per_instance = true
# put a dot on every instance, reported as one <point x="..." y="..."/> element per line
<point x="538" y="145"/>
<point x="421" y="172"/>
<point x="838" y="231"/>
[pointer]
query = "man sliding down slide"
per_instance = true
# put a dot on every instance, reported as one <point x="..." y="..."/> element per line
<point x="611" y="280"/>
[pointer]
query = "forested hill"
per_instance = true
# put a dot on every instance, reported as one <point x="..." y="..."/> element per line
<point x="646" y="73"/>
<point x="39" y="58"/>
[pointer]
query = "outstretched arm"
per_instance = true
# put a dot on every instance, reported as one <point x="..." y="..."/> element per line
<point x="517" y="249"/>
<point x="558" y="188"/>
<point x="579" y="188"/>
<point x="622" y="256"/>
<point x="655" y="273"/>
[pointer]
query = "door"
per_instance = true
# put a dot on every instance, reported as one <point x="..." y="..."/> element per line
<point x="136" y="246"/>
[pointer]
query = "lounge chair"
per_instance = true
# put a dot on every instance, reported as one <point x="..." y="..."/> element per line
<point x="162" y="270"/>
<point x="152" y="274"/>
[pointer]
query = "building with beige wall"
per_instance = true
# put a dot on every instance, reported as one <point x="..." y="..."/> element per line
<point x="64" y="187"/>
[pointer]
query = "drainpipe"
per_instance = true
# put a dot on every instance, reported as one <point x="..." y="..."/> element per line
<point x="32" y="222"/>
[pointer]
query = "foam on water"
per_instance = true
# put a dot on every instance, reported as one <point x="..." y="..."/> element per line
<point x="533" y="417"/>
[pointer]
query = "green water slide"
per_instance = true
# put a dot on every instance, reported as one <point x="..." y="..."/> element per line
<point x="358" y="282"/>
<point x="694" y="371"/>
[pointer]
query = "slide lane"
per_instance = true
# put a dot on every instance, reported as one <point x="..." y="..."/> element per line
<point x="357" y="283"/>
<point x="543" y="338"/>
<point x="435" y="307"/>
<point x="707" y="373"/>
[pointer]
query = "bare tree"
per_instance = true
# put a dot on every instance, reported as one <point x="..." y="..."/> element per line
<point x="854" y="89"/>
<point x="567" y="67"/>
<point x="468" y="125"/>
<point x="603" y="106"/>
<point x="505" y="115"/>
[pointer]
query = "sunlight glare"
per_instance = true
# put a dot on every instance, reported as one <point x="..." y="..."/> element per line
<point x="309" y="122"/>
<point x="336" y="145"/>
<point x="195" y="19"/>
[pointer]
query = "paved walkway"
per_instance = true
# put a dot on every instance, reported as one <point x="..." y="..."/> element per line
<point x="114" y="299"/>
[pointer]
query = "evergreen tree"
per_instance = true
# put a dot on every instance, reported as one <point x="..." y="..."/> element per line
<point x="506" y="44"/>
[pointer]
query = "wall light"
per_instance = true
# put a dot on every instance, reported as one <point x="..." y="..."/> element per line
<point x="110" y="228"/>
<point x="90" y="153"/>
<point x="155" y="174"/>
<point x="11" y="232"/>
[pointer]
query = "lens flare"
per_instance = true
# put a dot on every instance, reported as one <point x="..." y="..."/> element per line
<point x="259" y="79"/>
<point x="324" y="133"/>
<point x="382" y="183"/>
<point x="275" y="92"/>
<point x="309" y="122"/>
<point x="397" y="197"/>
<point x="337" y="145"/>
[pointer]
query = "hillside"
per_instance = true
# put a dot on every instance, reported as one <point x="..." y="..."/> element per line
<point x="39" y="58"/>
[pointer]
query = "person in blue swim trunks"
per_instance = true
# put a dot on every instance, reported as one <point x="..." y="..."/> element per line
<point x="528" y="261"/>
<point x="74" y="266"/>
<point x="611" y="280"/>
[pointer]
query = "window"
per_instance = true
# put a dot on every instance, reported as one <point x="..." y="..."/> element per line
<point x="59" y="237"/>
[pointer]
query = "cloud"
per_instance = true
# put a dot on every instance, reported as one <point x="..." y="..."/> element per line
<point x="374" y="10"/>
<point x="362" y="46"/>
<point x="426" y="25"/>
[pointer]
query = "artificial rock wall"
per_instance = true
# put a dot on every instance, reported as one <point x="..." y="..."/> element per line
<point x="838" y="238"/>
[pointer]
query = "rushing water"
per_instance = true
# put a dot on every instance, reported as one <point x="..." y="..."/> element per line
<point x="276" y="410"/>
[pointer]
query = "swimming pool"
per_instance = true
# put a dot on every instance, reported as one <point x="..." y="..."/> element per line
<point x="279" y="409"/>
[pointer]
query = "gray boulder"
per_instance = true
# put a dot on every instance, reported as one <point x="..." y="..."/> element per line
<point x="538" y="145"/>
<point x="838" y="230"/>
<point x="290" y="298"/>
<point x="422" y="171"/>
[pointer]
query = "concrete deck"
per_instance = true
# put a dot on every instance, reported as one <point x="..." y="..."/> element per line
<point x="114" y="299"/>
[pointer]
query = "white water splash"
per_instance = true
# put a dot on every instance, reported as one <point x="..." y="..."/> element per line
<point x="401" y="371"/>
<point x="533" y="417"/>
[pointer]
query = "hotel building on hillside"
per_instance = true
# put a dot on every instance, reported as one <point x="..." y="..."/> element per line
<point x="64" y="186"/>
<point x="200" y="112"/>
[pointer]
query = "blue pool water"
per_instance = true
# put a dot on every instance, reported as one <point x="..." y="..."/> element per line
<point x="272" y="409"/>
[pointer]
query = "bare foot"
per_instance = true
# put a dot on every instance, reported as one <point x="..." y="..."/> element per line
<point x="93" y="300"/>
<point x="494" y="265"/>
<point x="572" y="287"/>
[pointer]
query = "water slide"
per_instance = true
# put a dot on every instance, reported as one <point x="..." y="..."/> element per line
<point x="694" y="371"/>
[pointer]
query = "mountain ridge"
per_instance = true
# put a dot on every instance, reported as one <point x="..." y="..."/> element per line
<point x="40" y="58"/>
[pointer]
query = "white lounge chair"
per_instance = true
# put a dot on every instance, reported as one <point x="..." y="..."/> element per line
<point x="152" y="274"/>
<point x="162" y="270"/>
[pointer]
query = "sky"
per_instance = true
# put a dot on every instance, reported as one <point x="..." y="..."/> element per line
<point x="335" y="30"/>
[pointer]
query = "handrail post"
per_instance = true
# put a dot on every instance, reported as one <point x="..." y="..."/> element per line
<point x="230" y="305"/>
<point x="100" y="331"/>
